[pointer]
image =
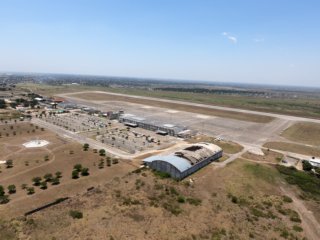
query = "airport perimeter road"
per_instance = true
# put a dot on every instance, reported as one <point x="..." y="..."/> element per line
<point x="281" y="116"/>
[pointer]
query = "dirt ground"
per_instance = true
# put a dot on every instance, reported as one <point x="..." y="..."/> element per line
<point x="244" y="202"/>
<point x="176" y="106"/>
<point x="59" y="155"/>
<point x="306" y="133"/>
<point x="269" y="157"/>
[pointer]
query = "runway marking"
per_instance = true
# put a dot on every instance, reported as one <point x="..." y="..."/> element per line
<point x="202" y="116"/>
<point x="172" y="111"/>
<point x="146" y="107"/>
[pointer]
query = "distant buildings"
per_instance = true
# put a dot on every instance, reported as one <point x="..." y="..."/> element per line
<point x="160" y="128"/>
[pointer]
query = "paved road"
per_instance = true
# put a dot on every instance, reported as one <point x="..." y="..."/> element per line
<point x="275" y="115"/>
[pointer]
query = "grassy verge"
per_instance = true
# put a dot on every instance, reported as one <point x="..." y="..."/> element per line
<point x="295" y="148"/>
<point x="307" y="133"/>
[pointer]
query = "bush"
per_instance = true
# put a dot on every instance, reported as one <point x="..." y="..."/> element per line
<point x="4" y="199"/>
<point x="297" y="228"/>
<point x="181" y="199"/>
<point x="77" y="167"/>
<point x="55" y="181"/>
<point x="43" y="185"/>
<point x="75" y="214"/>
<point x="75" y="174"/>
<point x="48" y="177"/>
<point x="30" y="190"/>
<point x="306" y="166"/>
<point x="36" y="181"/>
<point x="304" y="180"/>
<point x="85" y="172"/>
<point x="1" y="191"/>
<point x="12" y="189"/>
<point x="194" y="201"/>
<point x="234" y="199"/>
<point x="102" y="152"/>
<point x="287" y="199"/>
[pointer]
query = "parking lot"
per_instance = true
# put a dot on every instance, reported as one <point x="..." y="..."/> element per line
<point x="110" y="132"/>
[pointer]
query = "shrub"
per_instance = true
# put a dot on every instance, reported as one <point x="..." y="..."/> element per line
<point x="48" y="177"/>
<point x="30" y="190"/>
<point x="2" y="190"/>
<point x="55" y="181"/>
<point x="234" y="199"/>
<point x="36" y="181"/>
<point x="43" y="185"/>
<point x="77" y="167"/>
<point x="297" y="228"/>
<point x="12" y="189"/>
<point x="4" y="199"/>
<point x="75" y="214"/>
<point x="306" y="166"/>
<point x="85" y="172"/>
<point x="194" y="201"/>
<point x="181" y="199"/>
<point x="9" y="163"/>
<point x="287" y="199"/>
<point x="58" y="174"/>
<point x="75" y="174"/>
<point x="102" y="152"/>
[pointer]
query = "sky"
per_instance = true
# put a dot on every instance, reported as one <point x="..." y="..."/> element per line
<point x="248" y="41"/>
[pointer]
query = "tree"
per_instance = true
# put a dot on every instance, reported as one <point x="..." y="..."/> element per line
<point x="9" y="163"/>
<point x="24" y="186"/>
<point x="108" y="162"/>
<point x="36" y="181"/>
<point x="77" y="167"/>
<point x="43" y="185"/>
<point x="75" y="174"/>
<point x="115" y="161"/>
<point x="58" y="174"/>
<point x="12" y="189"/>
<point x="85" y="147"/>
<point x="4" y="199"/>
<point x="48" y="177"/>
<point x="102" y="152"/>
<point x="30" y="190"/>
<point x="306" y="166"/>
<point x="55" y="181"/>
<point x="85" y="172"/>
<point x="2" y="190"/>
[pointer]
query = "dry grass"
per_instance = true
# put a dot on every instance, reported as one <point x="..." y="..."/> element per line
<point x="245" y="199"/>
<point x="295" y="148"/>
<point x="176" y="106"/>
<point x="307" y="133"/>
<point x="62" y="154"/>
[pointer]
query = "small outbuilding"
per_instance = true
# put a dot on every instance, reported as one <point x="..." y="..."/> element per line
<point x="188" y="160"/>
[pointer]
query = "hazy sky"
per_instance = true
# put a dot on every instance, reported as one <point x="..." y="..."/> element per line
<point x="255" y="41"/>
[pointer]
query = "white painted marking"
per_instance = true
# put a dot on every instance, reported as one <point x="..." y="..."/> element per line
<point x="172" y="111"/>
<point x="202" y="116"/>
